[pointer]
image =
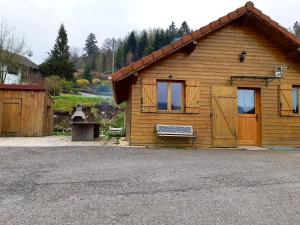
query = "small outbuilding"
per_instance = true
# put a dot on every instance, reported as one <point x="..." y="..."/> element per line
<point x="25" y="110"/>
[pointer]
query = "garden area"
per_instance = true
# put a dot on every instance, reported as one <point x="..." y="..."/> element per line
<point x="98" y="105"/>
<point x="101" y="110"/>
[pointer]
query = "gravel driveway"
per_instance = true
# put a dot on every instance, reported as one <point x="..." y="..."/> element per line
<point x="106" y="185"/>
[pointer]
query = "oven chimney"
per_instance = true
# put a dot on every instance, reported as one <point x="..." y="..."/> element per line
<point x="78" y="115"/>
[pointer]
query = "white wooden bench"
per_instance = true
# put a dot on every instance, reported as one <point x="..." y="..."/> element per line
<point x="113" y="131"/>
<point x="181" y="131"/>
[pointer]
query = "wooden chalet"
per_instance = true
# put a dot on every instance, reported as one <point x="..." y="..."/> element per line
<point x="235" y="81"/>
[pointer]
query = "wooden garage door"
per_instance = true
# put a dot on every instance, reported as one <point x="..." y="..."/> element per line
<point x="10" y="117"/>
<point x="224" y="116"/>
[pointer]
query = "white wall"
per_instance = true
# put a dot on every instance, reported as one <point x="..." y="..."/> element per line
<point x="13" y="78"/>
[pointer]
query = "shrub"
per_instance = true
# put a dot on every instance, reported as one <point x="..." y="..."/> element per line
<point x="96" y="81"/>
<point x="119" y="120"/>
<point x="87" y="73"/>
<point x="104" y="88"/>
<point x="52" y="85"/>
<point x="82" y="83"/>
<point x="67" y="86"/>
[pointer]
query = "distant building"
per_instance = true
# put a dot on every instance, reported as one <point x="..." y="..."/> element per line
<point x="26" y="71"/>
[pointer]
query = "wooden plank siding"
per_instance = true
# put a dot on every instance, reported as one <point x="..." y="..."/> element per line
<point x="213" y="61"/>
<point x="128" y="115"/>
<point x="33" y="111"/>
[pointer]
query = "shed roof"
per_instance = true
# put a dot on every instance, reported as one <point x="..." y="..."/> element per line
<point x="158" y="55"/>
<point x="24" y="87"/>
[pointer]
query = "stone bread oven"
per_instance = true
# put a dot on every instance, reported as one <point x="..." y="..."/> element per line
<point x="81" y="129"/>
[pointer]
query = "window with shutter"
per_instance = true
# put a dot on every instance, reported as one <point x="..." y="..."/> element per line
<point x="149" y="95"/>
<point x="170" y="96"/>
<point x="192" y="94"/>
<point x="285" y="100"/>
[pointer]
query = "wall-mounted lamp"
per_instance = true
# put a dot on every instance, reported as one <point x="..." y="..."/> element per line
<point x="279" y="70"/>
<point x="170" y="77"/>
<point x="243" y="56"/>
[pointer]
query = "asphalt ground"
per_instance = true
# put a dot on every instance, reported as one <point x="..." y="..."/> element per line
<point x="110" y="185"/>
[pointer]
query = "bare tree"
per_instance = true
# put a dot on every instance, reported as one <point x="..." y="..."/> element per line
<point x="76" y="57"/>
<point x="11" y="48"/>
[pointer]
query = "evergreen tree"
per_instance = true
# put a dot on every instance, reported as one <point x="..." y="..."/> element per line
<point x="59" y="62"/>
<point x="61" y="49"/>
<point x="120" y="57"/>
<point x="160" y="39"/>
<point x="172" y="32"/>
<point x="184" y="29"/>
<point x="132" y="46"/>
<point x="91" y="45"/>
<point x="142" y="44"/>
<point x="91" y="50"/>
<point x="87" y="73"/>
<point x="129" y="58"/>
<point x="297" y="28"/>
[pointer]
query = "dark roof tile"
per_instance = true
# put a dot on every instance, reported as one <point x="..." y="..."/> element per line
<point x="187" y="38"/>
<point x="177" y="44"/>
<point x="205" y="29"/>
<point x="196" y="33"/>
<point x="233" y="15"/>
<point x="224" y="19"/>
<point x="126" y="70"/>
<point x="241" y="10"/>
<point x="213" y="25"/>
<point x="167" y="49"/>
<point x="157" y="54"/>
<point x="147" y="59"/>
<point x="137" y="64"/>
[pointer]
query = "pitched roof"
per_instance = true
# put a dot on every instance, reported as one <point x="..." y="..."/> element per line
<point x="27" y="62"/>
<point x="22" y="60"/>
<point x="189" y="38"/>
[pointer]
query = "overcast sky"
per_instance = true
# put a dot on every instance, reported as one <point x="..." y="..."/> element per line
<point x="38" y="20"/>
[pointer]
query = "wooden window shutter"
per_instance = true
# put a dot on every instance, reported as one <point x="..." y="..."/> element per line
<point x="192" y="96"/>
<point x="285" y="100"/>
<point x="149" y="95"/>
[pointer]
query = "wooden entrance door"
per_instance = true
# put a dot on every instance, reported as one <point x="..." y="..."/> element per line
<point x="224" y="116"/>
<point x="10" y="117"/>
<point x="248" y="117"/>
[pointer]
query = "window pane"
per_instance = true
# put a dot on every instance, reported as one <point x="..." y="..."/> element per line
<point x="176" y="96"/>
<point x="162" y="95"/>
<point x="246" y="101"/>
<point x="295" y="100"/>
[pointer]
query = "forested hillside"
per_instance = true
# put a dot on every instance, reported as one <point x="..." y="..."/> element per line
<point x="112" y="54"/>
<point x="126" y="50"/>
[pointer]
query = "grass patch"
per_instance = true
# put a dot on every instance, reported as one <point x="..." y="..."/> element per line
<point x="57" y="133"/>
<point x="66" y="102"/>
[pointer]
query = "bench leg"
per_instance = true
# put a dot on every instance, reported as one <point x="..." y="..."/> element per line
<point x="193" y="141"/>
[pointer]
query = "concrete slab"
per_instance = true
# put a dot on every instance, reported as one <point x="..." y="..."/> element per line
<point x="51" y="141"/>
<point x="253" y="148"/>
